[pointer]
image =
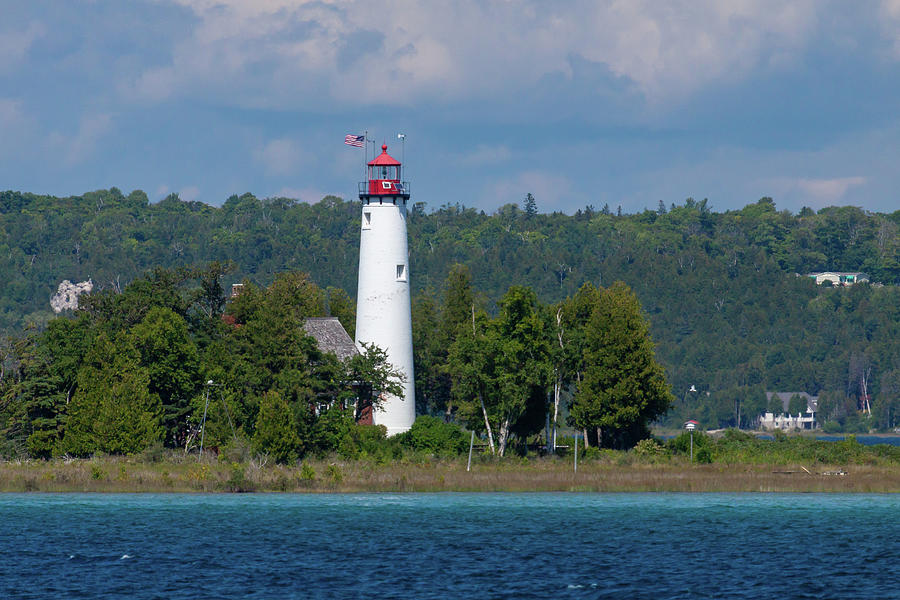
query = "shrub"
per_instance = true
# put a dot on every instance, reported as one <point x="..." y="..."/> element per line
<point x="237" y="480"/>
<point x="331" y="431"/>
<point x="367" y="441"/>
<point x="336" y="431"/>
<point x="682" y="443"/>
<point x="435" y="436"/>
<point x="649" y="448"/>
<point x="238" y="450"/>
<point x="153" y="453"/>
<point x="703" y="455"/>
<point x="590" y="453"/>
<point x="334" y="474"/>
<point x="307" y="473"/>
<point x="831" y="427"/>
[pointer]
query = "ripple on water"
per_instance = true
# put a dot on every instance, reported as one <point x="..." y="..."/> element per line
<point x="448" y="545"/>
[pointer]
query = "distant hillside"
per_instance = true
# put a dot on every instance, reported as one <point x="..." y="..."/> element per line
<point x="728" y="313"/>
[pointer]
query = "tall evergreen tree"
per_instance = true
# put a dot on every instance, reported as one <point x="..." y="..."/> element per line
<point x="113" y="410"/>
<point x="624" y="387"/>
<point x="530" y="206"/>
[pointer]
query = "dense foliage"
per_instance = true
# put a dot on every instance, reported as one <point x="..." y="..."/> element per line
<point x="727" y="312"/>
<point x="738" y="447"/>
<point x="144" y="366"/>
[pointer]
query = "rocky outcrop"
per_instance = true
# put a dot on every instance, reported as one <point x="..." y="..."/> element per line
<point x="66" y="297"/>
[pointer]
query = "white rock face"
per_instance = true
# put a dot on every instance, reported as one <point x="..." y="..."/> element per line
<point x="67" y="293"/>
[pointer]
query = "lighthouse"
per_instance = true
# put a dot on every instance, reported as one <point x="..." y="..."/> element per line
<point x="383" y="306"/>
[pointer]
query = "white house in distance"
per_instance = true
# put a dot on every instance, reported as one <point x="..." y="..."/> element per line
<point x="839" y="278"/>
<point x="786" y="421"/>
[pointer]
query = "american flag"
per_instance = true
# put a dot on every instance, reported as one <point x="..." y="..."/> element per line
<point x="355" y="140"/>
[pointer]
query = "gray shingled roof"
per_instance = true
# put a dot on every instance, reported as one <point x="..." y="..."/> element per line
<point x="331" y="336"/>
<point x="812" y="402"/>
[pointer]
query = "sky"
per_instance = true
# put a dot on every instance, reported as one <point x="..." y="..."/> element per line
<point x="626" y="103"/>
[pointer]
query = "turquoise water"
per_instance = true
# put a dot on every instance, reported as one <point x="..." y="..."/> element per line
<point x="449" y="546"/>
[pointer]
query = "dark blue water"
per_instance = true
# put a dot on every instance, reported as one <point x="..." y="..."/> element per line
<point x="865" y="440"/>
<point x="450" y="546"/>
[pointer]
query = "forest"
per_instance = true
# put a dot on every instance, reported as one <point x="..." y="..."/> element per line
<point x="729" y="311"/>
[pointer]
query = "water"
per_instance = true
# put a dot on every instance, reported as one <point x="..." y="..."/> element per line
<point x="865" y="440"/>
<point x="449" y="546"/>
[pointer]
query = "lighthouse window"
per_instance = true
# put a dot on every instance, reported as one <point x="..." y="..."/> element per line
<point x="367" y="220"/>
<point x="384" y="172"/>
<point x="401" y="272"/>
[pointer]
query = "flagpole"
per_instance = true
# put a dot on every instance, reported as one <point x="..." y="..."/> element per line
<point x="366" y="153"/>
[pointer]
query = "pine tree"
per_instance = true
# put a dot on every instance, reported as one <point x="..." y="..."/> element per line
<point x="275" y="432"/>
<point x="624" y="388"/>
<point x="113" y="410"/>
<point x="530" y="206"/>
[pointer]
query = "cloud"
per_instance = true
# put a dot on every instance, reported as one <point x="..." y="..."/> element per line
<point x="79" y="147"/>
<point x="486" y="155"/>
<point x="890" y="24"/>
<point x="289" y="53"/>
<point x="281" y="157"/>
<point x="189" y="193"/>
<point x="11" y="115"/>
<point x="14" y="45"/>
<point x="13" y="125"/>
<point x="820" y="192"/>
<point x="549" y="190"/>
<point x="308" y="195"/>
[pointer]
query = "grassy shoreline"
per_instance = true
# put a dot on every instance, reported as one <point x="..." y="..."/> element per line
<point x="134" y="475"/>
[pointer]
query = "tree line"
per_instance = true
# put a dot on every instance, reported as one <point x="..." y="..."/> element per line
<point x="135" y="368"/>
<point x="729" y="314"/>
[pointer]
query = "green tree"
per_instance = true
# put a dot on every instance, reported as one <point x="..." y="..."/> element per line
<point x="341" y="305"/>
<point x="472" y="366"/>
<point x="171" y="360"/>
<point x="113" y="410"/>
<point x="373" y="378"/>
<point x="566" y="352"/>
<point x="275" y="433"/>
<point x="797" y="404"/>
<point x="530" y="206"/>
<point x="525" y="367"/>
<point x="429" y="357"/>
<point x="501" y="369"/>
<point x="624" y="387"/>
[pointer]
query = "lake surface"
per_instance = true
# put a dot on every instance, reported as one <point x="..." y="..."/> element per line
<point x="450" y="546"/>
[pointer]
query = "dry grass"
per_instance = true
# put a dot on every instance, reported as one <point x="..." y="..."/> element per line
<point x="187" y="474"/>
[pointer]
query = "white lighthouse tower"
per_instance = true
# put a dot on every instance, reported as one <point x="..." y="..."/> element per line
<point x="383" y="306"/>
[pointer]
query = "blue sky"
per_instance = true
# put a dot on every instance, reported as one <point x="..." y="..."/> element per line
<point x="578" y="102"/>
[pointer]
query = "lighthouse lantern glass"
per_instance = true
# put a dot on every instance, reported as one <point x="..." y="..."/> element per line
<point x="384" y="172"/>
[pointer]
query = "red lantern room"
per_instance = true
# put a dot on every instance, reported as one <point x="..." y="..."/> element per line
<point x="384" y="182"/>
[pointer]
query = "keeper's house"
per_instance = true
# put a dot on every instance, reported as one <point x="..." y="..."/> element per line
<point x="785" y="420"/>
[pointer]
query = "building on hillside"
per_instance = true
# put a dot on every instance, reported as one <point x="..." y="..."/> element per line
<point x="331" y="336"/>
<point x="785" y="420"/>
<point x="838" y="278"/>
